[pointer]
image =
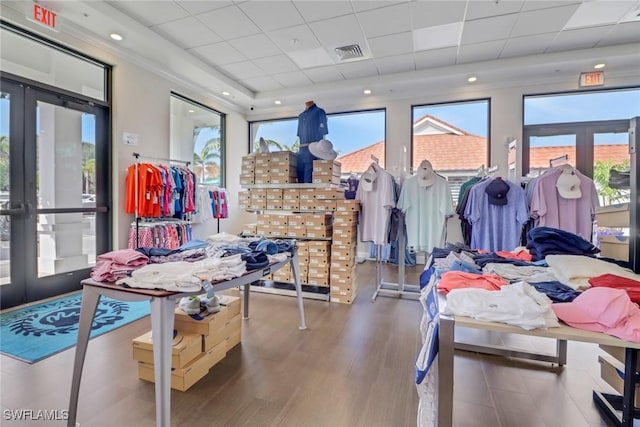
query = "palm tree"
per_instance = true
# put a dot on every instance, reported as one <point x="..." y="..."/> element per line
<point x="270" y="143"/>
<point x="209" y="153"/>
<point x="4" y="163"/>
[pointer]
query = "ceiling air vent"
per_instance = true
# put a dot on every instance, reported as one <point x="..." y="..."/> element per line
<point x="351" y="51"/>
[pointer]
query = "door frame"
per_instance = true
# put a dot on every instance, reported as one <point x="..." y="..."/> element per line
<point x="25" y="286"/>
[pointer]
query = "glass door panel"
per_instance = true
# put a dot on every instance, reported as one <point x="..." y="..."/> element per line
<point x="5" y="219"/>
<point x="611" y="167"/>
<point x="65" y="179"/>
<point x="548" y="151"/>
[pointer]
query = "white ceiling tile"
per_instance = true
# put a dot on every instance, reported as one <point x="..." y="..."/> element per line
<point x="544" y="4"/>
<point x="437" y="37"/>
<point x="144" y="12"/>
<point x="195" y="7"/>
<point x="324" y="74"/>
<point x="352" y="70"/>
<point x="629" y="32"/>
<point x="339" y="31"/>
<point x="386" y="20"/>
<point x="243" y="70"/>
<point x="218" y="53"/>
<point x="229" y="22"/>
<point x="435" y="58"/>
<point x="598" y="13"/>
<point x="315" y="10"/>
<point x="260" y="84"/>
<point x="543" y="21"/>
<point x="485" y="8"/>
<point x="584" y="38"/>
<point x="292" y="79"/>
<point x="272" y="15"/>
<point x="360" y="6"/>
<point x="256" y="46"/>
<point x="396" y="64"/>
<point x="528" y="45"/>
<point x="486" y="29"/>
<point x="393" y="44"/>
<point x="299" y="37"/>
<point x="276" y="64"/>
<point x="486" y="51"/>
<point x="311" y="58"/>
<point x="432" y="13"/>
<point x="187" y="32"/>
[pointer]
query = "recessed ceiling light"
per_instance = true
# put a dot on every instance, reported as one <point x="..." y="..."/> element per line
<point x="225" y="93"/>
<point x="116" y="36"/>
<point x="277" y="102"/>
<point x="367" y="91"/>
<point x="192" y="111"/>
<point x="472" y="79"/>
<point x="598" y="66"/>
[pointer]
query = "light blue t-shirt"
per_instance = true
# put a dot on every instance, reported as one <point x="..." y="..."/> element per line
<point x="426" y="210"/>
<point x="494" y="227"/>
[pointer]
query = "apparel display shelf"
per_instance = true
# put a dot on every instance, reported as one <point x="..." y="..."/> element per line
<point x="304" y="212"/>
<point x="148" y="221"/>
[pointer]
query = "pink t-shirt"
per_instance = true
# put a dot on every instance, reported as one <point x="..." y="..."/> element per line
<point x="549" y="209"/>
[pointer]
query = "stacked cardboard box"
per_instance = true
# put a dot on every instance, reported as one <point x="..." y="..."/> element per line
<point x="198" y="346"/>
<point x="319" y="259"/>
<point x="244" y="199"/>
<point x="291" y="199"/>
<point x="343" y="252"/>
<point x="274" y="198"/>
<point x="258" y="200"/>
<point x="261" y="168"/>
<point x="282" y="167"/>
<point x="326" y="172"/>
<point x="246" y="172"/>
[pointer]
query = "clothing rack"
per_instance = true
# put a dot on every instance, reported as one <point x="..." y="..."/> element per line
<point x="399" y="289"/>
<point x="215" y="188"/>
<point x="138" y="156"/>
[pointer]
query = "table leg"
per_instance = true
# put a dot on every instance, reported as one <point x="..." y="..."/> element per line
<point x="631" y="381"/>
<point x="162" y="316"/>
<point x="561" y="351"/>
<point x="247" y="290"/>
<point x="90" y="298"/>
<point x="296" y="278"/>
<point x="445" y="371"/>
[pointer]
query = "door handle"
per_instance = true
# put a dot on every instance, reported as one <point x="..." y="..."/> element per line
<point x="20" y="209"/>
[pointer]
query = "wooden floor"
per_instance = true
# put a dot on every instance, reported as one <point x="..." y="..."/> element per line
<point x="352" y="367"/>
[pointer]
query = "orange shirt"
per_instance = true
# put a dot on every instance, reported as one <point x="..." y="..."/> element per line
<point x="460" y="279"/>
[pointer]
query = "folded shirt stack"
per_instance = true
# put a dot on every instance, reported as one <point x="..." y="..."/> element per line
<point x="115" y="265"/>
<point x="543" y="241"/>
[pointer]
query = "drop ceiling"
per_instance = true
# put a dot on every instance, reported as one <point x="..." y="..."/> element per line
<point x="260" y="51"/>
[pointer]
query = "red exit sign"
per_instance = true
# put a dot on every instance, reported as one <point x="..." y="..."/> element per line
<point x="593" y="78"/>
<point x="44" y="16"/>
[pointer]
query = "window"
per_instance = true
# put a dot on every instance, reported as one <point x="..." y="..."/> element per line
<point x="453" y="137"/>
<point x="356" y="136"/>
<point x="588" y="130"/>
<point x="197" y="135"/>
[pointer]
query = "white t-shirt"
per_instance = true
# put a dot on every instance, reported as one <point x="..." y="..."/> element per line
<point x="426" y="210"/>
<point x="518" y="304"/>
<point x="376" y="207"/>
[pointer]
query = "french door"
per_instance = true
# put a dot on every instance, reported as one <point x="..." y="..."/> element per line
<point x="54" y="190"/>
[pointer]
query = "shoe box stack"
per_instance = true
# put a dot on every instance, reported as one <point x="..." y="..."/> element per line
<point x="343" y="252"/>
<point x="278" y="167"/>
<point x="326" y="172"/>
<point x="198" y="345"/>
<point x="612" y="369"/>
